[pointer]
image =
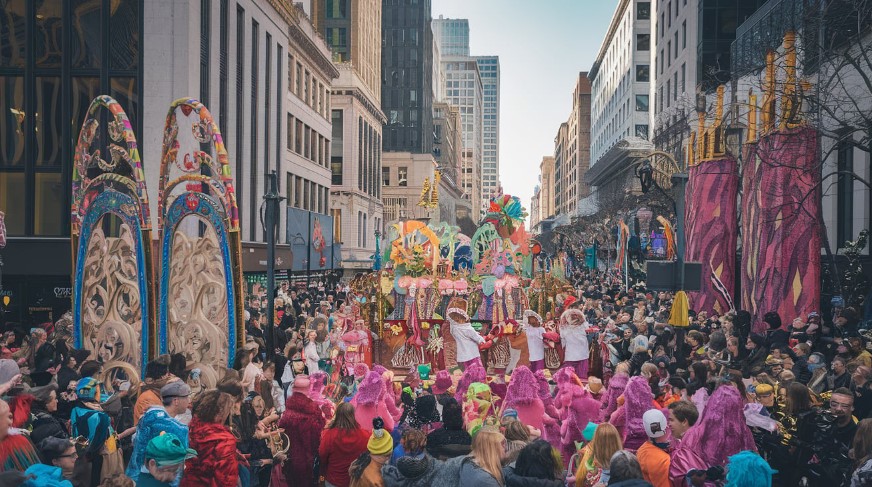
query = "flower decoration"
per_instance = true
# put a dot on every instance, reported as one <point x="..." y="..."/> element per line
<point x="507" y="212"/>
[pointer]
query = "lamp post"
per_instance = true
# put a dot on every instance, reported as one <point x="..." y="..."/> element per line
<point x="272" y="199"/>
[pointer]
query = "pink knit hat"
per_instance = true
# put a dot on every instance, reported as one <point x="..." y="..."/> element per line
<point x="443" y="382"/>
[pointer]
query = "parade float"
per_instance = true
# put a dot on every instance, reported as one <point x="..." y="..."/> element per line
<point x="429" y="269"/>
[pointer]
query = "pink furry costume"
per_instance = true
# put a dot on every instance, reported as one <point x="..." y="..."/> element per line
<point x="721" y="430"/>
<point x="628" y="418"/>
<point x="474" y="373"/>
<point x="369" y="402"/>
<point x="551" y="433"/>
<point x="610" y="399"/>
<point x="318" y="381"/>
<point x="577" y="408"/>
<point x="522" y="395"/>
<point x="391" y="397"/>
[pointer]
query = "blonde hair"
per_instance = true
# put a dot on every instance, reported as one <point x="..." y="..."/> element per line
<point x="606" y="441"/>
<point x="623" y="367"/>
<point x="517" y="431"/>
<point x="649" y="370"/>
<point x="488" y="451"/>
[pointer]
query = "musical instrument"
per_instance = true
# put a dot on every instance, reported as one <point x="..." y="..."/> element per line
<point x="278" y="442"/>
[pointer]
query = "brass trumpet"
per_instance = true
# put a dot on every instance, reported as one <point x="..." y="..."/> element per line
<point x="278" y="442"/>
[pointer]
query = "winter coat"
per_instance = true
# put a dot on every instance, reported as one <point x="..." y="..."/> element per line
<point x="863" y="475"/>
<point x="216" y="463"/>
<point x="421" y="471"/>
<point x="153" y="423"/>
<point x="303" y="420"/>
<point x="512" y="479"/>
<point x="371" y="476"/>
<point x="339" y="448"/>
<point x="446" y="443"/>
<point x="472" y="474"/>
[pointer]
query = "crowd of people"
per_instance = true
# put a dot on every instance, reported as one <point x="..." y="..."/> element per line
<point x="605" y="393"/>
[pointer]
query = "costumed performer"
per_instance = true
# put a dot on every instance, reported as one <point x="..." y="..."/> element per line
<point x="721" y="431"/>
<point x="536" y="336"/>
<point x="573" y="337"/>
<point x="369" y="402"/>
<point x="469" y="342"/>
<point x="522" y="395"/>
<point x="518" y="354"/>
<point x="628" y="417"/>
<point x="577" y="409"/>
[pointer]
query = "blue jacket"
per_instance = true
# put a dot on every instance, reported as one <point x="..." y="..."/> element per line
<point x="152" y="423"/>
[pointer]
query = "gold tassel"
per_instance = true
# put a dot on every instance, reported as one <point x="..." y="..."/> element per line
<point x="425" y="191"/>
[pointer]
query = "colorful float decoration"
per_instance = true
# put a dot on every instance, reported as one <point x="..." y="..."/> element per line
<point x="200" y="313"/>
<point x="113" y="300"/>
<point x="428" y="265"/>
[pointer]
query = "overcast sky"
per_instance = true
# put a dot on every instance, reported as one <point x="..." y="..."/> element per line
<point x="542" y="46"/>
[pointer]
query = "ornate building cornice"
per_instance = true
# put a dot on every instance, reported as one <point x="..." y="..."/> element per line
<point x="362" y="98"/>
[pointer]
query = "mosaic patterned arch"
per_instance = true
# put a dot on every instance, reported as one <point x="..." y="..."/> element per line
<point x="200" y="312"/>
<point x="113" y="304"/>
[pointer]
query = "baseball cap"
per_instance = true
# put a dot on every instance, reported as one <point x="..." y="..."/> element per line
<point x="167" y="449"/>
<point x="654" y="422"/>
<point x="175" y="389"/>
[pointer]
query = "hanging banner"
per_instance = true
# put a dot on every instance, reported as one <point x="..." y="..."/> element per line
<point x="781" y="243"/>
<point x="711" y="232"/>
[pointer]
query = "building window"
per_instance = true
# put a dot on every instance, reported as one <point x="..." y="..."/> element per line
<point x="337" y="9"/>
<point x="290" y="130"/>
<point x="683" y="89"/>
<point x="223" y="112"/>
<point x="386" y="176"/>
<point x="668" y="91"/>
<point x="205" y="40"/>
<point x="684" y="34"/>
<point x="336" y="149"/>
<point x="643" y="42"/>
<point x="298" y="138"/>
<point x="402" y="176"/>
<point x="669" y="13"/>
<point x="662" y="25"/>
<point x="668" y="53"/>
<point x="643" y="10"/>
<point x="255" y="66"/>
<point x="240" y="103"/>
<point x="845" y="198"/>
<point x="675" y="86"/>
<point x="641" y="103"/>
<point x="661" y="59"/>
<point x="675" y="43"/>
<point x="642" y="72"/>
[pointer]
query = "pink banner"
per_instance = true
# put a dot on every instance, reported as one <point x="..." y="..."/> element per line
<point x="781" y="243"/>
<point x="712" y="231"/>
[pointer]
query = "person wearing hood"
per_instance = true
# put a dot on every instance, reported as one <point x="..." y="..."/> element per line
<point x="451" y="440"/>
<point x="88" y="419"/>
<point x="303" y="422"/>
<point x="175" y="400"/>
<point x="216" y="464"/>
<point x="757" y="351"/>
<point x="721" y="430"/>
<point x="538" y="465"/>
<point x="164" y="460"/>
<point x="341" y="443"/>
<point x="775" y="335"/>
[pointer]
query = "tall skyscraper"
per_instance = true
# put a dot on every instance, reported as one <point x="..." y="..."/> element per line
<point x="472" y="84"/>
<point x="407" y="86"/>
<point x="489" y="70"/>
<point x="353" y="32"/>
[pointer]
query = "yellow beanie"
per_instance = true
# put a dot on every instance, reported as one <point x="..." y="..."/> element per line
<point x="380" y="442"/>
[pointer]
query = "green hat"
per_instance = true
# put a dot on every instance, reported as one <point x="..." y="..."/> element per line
<point x="167" y="449"/>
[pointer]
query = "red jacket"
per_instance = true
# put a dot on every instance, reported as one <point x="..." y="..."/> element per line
<point x="302" y="422"/>
<point x="338" y="449"/>
<point x="215" y="464"/>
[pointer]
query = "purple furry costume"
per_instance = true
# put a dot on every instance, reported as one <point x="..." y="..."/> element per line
<point x="637" y="399"/>
<point x="610" y="399"/>
<point x="473" y="373"/>
<point x="721" y="431"/>
<point x="522" y="395"/>
<point x="552" y="429"/>
<point x="577" y="409"/>
<point x="369" y="402"/>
